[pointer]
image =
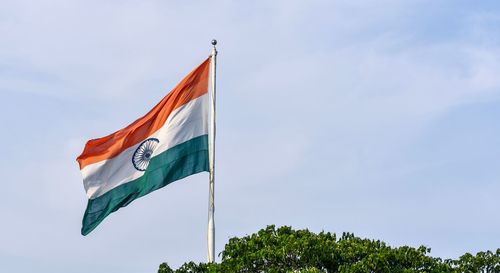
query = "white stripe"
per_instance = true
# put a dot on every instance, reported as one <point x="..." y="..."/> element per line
<point x="186" y="122"/>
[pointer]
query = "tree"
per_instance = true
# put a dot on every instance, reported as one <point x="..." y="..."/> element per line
<point x="287" y="250"/>
<point x="483" y="262"/>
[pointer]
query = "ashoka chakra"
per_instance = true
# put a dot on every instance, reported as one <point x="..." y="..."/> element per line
<point x="143" y="154"/>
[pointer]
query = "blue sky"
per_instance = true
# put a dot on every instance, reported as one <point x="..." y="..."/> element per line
<point x="373" y="117"/>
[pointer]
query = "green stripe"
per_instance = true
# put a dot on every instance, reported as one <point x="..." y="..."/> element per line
<point x="176" y="163"/>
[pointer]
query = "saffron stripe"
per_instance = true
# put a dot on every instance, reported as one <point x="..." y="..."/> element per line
<point x="194" y="85"/>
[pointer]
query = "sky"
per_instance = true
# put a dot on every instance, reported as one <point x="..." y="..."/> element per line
<point x="379" y="118"/>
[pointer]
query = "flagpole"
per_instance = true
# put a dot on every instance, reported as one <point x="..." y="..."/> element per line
<point x="211" y="197"/>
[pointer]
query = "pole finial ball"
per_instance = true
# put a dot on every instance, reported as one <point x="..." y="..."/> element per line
<point x="214" y="42"/>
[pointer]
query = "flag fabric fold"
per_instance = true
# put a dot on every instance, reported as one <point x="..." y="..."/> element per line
<point x="170" y="142"/>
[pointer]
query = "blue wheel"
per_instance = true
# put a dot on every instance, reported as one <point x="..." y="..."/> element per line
<point x="144" y="153"/>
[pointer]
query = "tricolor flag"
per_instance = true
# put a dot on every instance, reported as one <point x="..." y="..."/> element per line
<point x="167" y="144"/>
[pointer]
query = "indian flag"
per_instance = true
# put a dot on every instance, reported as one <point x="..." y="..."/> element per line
<point x="167" y="144"/>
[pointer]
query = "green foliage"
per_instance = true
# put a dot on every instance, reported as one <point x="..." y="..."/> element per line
<point x="274" y="250"/>
<point x="483" y="262"/>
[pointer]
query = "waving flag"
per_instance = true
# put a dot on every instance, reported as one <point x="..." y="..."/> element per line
<point x="167" y="144"/>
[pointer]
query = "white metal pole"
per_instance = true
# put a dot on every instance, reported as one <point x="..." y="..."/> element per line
<point x="211" y="197"/>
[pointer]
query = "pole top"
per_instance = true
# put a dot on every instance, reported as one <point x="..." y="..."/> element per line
<point x="214" y="42"/>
